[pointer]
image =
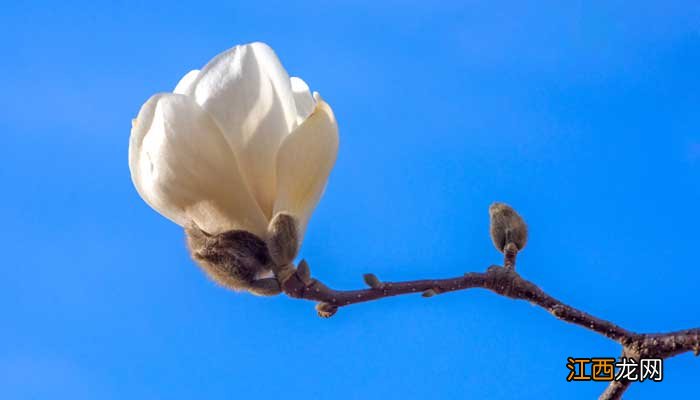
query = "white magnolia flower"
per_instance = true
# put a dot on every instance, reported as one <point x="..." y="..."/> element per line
<point x="234" y="144"/>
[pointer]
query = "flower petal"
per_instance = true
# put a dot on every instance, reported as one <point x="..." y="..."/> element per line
<point x="183" y="168"/>
<point x="185" y="84"/>
<point x="248" y="93"/>
<point x="303" y="100"/>
<point x="304" y="162"/>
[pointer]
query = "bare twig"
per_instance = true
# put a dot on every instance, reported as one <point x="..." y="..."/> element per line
<point x="510" y="252"/>
<point x="615" y="390"/>
<point x="504" y="281"/>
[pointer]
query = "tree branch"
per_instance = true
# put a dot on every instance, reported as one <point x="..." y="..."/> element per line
<point x="615" y="390"/>
<point x="506" y="282"/>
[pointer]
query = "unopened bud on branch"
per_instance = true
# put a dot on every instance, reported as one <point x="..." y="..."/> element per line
<point x="326" y="310"/>
<point x="304" y="272"/>
<point x="372" y="281"/>
<point x="507" y="226"/>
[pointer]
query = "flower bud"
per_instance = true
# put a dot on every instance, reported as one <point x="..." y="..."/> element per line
<point x="507" y="226"/>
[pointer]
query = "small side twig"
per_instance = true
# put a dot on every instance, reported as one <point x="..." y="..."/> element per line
<point x="510" y="252"/>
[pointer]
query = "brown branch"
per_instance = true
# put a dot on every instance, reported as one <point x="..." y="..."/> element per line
<point x="504" y="281"/>
<point x="615" y="390"/>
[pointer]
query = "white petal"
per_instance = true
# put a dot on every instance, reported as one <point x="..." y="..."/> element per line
<point x="183" y="168"/>
<point x="248" y="93"/>
<point x="185" y="84"/>
<point x="304" y="163"/>
<point x="302" y="99"/>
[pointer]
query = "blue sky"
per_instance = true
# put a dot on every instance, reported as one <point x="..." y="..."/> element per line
<point x="583" y="115"/>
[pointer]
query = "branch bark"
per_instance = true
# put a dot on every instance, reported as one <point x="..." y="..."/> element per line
<point x="504" y="281"/>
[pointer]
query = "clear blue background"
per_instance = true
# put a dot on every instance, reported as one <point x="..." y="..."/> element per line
<point x="583" y="115"/>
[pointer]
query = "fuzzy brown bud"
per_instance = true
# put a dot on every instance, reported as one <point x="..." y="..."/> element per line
<point x="235" y="259"/>
<point x="372" y="281"/>
<point x="326" y="310"/>
<point x="507" y="226"/>
<point x="283" y="239"/>
<point x="304" y="272"/>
